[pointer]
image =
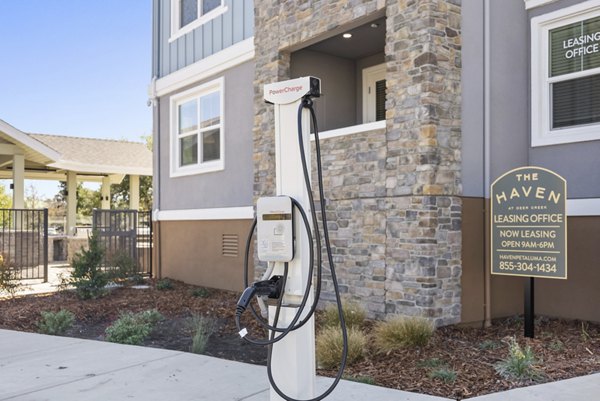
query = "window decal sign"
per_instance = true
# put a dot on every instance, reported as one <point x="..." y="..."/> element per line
<point x="529" y="224"/>
<point x="575" y="47"/>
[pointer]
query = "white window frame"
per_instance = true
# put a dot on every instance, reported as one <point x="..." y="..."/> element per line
<point x="371" y="75"/>
<point x="541" y="130"/>
<point x="178" y="31"/>
<point x="217" y="85"/>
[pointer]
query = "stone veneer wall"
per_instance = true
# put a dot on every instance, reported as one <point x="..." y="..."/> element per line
<point x="393" y="194"/>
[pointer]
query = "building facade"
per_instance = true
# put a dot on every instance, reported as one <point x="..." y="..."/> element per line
<point x="424" y="104"/>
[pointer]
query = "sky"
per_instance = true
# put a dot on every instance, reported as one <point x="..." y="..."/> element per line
<point x="77" y="68"/>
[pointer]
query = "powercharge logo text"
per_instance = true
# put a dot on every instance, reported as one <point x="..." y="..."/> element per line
<point x="286" y="89"/>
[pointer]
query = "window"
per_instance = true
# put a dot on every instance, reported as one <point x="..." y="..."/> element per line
<point x="186" y="15"/>
<point x="197" y="130"/>
<point x="565" y="75"/>
<point x="374" y="93"/>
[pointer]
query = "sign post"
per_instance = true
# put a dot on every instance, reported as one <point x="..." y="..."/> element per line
<point x="529" y="229"/>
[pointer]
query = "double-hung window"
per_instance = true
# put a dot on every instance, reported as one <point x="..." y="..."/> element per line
<point x="565" y="75"/>
<point x="197" y="130"/>
<point x="186" y="15"/>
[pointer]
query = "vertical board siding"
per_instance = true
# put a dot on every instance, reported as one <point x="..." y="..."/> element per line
<point x="215" y="35"/>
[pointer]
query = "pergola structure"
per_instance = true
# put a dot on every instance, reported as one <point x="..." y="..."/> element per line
<point x="71" y="159"/>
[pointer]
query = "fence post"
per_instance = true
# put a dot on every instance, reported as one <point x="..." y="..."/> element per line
<point x="45" y="245"/>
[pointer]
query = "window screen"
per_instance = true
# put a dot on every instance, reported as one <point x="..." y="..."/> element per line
<point x="576" y="102"/>
<point x="189" y="12"/>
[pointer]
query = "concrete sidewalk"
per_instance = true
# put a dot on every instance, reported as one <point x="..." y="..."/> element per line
<point x="35" y="367"/>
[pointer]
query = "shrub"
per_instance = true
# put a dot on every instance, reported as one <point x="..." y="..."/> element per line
<point x="201" y="292"/>
<point x="402" y="332"/>
<point x="444" y="374"/>
<point x="329" y="346"/>
<point x="164" y="284"/>
<point x="432" y="363"/>
<point x="123" y="266"/>
<point x="87" y="277"/>
<point x="519" y="364"/>
<point x="354" y="315"/>
<point x="55" y="323"/>
<point x="202" y="328"/>
<point x="9" y="279"/>
<point x="132" y="328"/>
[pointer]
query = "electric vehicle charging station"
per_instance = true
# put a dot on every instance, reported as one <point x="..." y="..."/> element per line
<point x="297" y="378"/>
<point x="285" y="242"/>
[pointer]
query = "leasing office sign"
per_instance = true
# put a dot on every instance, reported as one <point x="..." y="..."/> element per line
<point x="529" y="224"/>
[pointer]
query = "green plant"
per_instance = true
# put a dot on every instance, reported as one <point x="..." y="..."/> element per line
<point x="9" y="280"/>
<point x="556" y="345"/>
<point x="432" y="363"/>
<point x="122" y="266"/>
<point x="444" y="374"/>
<point x="55" y="323"/>
<point x="329" y="345"/>
<point x="201" y="292"/>
<point x="519" y="364"/>
<point x="164" y="284"/>
<point x="402" y="332"/>
<point x="360" y="379"/>
<point x="202" y="328"/>
<point x="87" y="276"/>
<point x="354" y="315"/>
<point x="132" y="328"/>
<point x="488" y="345"/>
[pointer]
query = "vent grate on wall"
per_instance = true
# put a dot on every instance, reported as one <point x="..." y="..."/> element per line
<point x="230" y="245"/>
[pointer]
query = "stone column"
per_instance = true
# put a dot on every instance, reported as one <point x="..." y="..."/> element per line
<point x="105" y="193"/>
<point x="71" y="202"/>
<point x="134" y="192"/>
<point x="18" y="175"/>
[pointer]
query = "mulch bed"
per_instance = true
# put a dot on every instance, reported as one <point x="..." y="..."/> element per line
<point x="565" y="349"/>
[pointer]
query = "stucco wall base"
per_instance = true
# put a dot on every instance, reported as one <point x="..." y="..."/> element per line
<point x="191" y="251"/>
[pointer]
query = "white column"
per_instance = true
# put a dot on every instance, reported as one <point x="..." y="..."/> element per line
<point x="134" y="192"/>
<point x="18" y="175"/>
<point x="71" y="202"/>
<point x="105" y="193"/>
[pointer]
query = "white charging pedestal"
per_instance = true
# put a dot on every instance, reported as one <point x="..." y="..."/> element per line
<point x="293" y="358"/>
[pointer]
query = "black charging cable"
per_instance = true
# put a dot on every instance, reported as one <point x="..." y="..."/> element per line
<point x="267" y="288"/>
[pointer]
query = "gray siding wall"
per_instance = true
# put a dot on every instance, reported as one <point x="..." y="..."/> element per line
<point x="509" y="102"/>
<point x="215" y="35"/>
<point x="228" y="188"/>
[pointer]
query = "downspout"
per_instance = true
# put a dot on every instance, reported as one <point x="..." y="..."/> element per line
<point x="155" y="101"/>
<point x="487" y="306"/>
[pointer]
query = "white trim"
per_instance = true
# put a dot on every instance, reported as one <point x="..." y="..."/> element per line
<point x="529" y="4"/>
<point x="212" y="65"/>
<point x="370" y="76"/>
<point x="355" y="129"/>
<point x="218" y="213"/>
<point x="583" y="207"/>
<point x="541" y="132"/>
<point x="23" y="139"/>
<point x="177" y="32"/>
<point x="216" y="85"/>
<point x="100" y="168"/>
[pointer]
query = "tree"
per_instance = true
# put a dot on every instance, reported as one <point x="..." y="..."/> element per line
<point x="32" y="197"/>
<point x="5" y="199"/>
<point x="87" y="199"/>
<point x="119" y="193"/>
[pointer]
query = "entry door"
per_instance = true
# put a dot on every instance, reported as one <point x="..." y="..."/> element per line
<point x="374" y="93"/>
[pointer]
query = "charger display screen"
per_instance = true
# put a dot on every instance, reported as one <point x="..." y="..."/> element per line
<point x="276" y="216"/>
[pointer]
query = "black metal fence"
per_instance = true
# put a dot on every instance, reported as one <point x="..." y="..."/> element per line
<point x="125" y="233"/>
<point x="24" y="242"/>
